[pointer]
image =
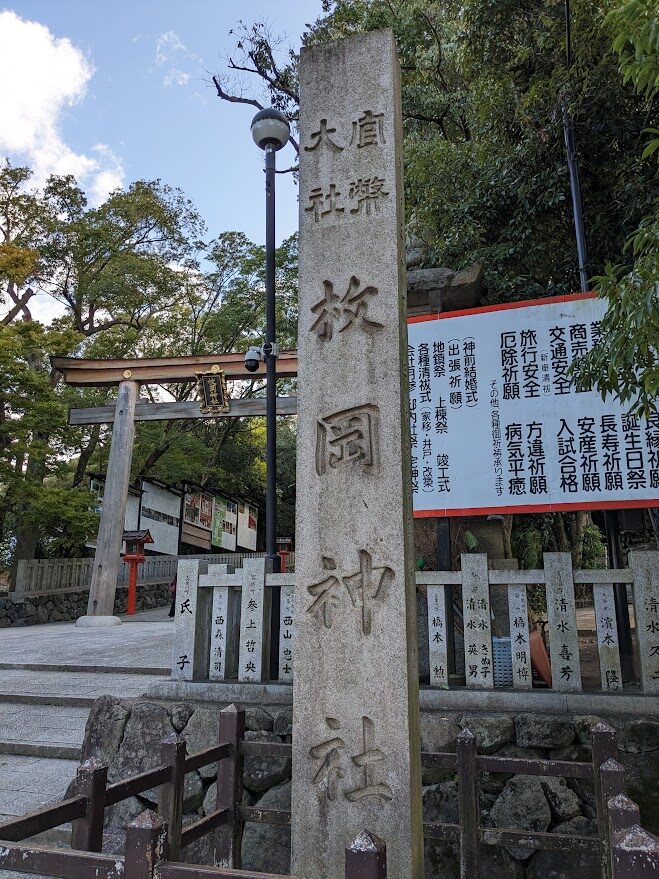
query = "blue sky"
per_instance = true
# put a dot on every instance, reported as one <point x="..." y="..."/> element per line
<point x="118" y="92"/>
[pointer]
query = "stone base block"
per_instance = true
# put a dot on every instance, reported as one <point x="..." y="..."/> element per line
<point x="94" y="622"/>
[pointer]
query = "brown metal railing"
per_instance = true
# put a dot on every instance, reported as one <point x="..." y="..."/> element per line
<point x="155" y="841"/>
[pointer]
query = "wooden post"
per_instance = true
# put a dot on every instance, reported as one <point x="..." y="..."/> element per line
<point x="634" y="851"/>
<point x="366" y="857"/>
<point x="468" y="805"/>
<point x="604" y="750"/>
<point x="87" y="832"/>
<point x="146" y="837"/>
<point x="230" y="788"/>
<point x="612" y="784"/>
<point x="170" y="795"/>
<point x="612" y="779"/>
<point x="100" y="610"/>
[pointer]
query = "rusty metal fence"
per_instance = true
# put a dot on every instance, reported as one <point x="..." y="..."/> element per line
<point x="155" y="840"/>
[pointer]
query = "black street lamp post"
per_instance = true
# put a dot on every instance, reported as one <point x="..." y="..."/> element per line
<point x="271" y="130"/>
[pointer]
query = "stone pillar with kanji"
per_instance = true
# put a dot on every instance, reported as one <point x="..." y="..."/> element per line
<point x="356" y="761"/>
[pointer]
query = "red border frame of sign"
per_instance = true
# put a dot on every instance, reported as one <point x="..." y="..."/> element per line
<point x="522" y="508"/>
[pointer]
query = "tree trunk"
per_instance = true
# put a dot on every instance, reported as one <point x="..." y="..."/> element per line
<point x="27" y="537"/>
<point x="561" y="535"/>
<point x="85" y="455"/>
<point x="507" y="528"/>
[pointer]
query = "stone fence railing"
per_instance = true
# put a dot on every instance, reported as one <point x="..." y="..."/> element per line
<point x="44" y="576"/>
<point x="223" y="621"/>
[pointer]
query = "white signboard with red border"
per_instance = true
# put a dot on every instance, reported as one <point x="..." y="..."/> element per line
<point x="498" y="425"/>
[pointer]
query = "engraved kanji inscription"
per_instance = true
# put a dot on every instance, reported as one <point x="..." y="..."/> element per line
<point x="367" y="192"/>
<point x="345" y="311"/>
<point x="368" y="130"/>
<point x="324" y="204"/>
<point x="346" y="436"/>
<point x="322" y="137"/>
<point x="331" y="770"/>
<point x="328" y="752"/>
<point x="371" y="755"/>
<point x="365" y="587"/>
<point x="327" y="595"/>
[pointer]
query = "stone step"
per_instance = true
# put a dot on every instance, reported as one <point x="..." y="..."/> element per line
<point x="72" y="684"/>
<point x="29" y="749"/>
<point x="28" y="782"/>
<point x="37" y="699"/>
<point x="86" y="669"/>
<point x="55" y="731"/>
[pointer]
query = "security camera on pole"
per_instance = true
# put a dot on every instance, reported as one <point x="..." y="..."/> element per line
<point x="270" y="130"/>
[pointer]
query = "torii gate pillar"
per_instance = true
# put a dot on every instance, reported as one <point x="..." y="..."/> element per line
<point x="110" y="533"/>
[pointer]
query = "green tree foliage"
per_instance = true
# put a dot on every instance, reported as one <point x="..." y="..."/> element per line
<point x="483" y="84"/>
<point x="133" y="276"/>
<point x="625" y="363"/>
<point x="485" y="168"/>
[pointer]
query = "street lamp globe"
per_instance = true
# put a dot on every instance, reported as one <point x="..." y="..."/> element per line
<point x="270" y="128"/>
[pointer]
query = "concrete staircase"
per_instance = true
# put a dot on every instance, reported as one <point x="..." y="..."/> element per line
<point x="43" y="713"/>
<point x="50" y="676"/>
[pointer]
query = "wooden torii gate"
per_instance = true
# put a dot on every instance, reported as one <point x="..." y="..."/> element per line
<point x="128" y="375"/>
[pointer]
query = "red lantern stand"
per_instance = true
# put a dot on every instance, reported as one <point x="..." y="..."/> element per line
<point x="284" y="548"/>
<point x="134" y="542"/>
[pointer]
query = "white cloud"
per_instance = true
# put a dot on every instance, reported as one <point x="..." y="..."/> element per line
<point x="172" y="53"/>
<point x="167" y="45"/>
<point x="40" y="77"/>
<point x="176" y="77"/>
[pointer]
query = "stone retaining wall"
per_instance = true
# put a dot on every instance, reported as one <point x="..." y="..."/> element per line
<point x="127" y="737"/>
<point x="59" y="607"/>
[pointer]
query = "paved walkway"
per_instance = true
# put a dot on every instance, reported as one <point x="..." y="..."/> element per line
<point x="143" y="641"/>
<point x="49" y="677"/>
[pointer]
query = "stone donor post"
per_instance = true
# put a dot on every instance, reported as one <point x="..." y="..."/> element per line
<point x="356" y="761"/>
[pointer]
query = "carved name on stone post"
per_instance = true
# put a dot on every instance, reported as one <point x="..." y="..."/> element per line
<point x="286" y="633"/>
<point x="192" y="617"/>
<point x="356" y="757"/>
<point x="252" y="653"/>
<point x="222" y="612"/>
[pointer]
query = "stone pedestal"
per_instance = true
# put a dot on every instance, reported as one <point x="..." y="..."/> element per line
<point x="356" y="762"/>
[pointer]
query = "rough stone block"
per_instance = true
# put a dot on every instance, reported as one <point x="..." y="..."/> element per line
<point x="491" y="730"/>
<point x="567" y="865"/>
<point x="105" y="729"/>
<point x="267" y="847"/>
<point x="147" y="726"/>
<point x="563" y="802"/>
<point x="522" y="804"/>
<point x="181" y="714"/>
<point x="262" y="773"/>
<point x="203" y="731"/>
<point x="640" y="735"/>
<point x="257" y="719"/>
<point x="543" y="731"/>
